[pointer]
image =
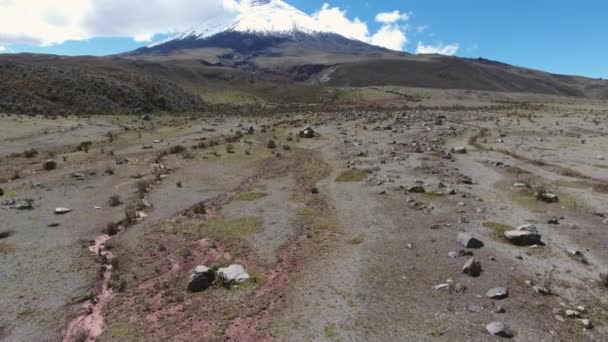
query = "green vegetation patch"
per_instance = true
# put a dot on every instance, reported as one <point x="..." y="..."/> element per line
<point x="499" y="229"/>
<point x="330" y="330"/>
<point x="357" y="240"/>
<point x="352" y="176"/>
<point x="251" y="196"/>
<point x="231" y="227"/>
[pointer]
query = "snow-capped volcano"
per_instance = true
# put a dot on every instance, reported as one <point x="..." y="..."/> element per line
<point x="256" y="25"/>
<point x="265" y="17"/>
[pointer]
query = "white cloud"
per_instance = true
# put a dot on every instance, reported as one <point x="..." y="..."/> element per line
<point x="3" y="49"/>
<point x="335" y="19"/>
<point x="450" y="49"/>
<point x="391" y="17"/>
<point x="391" y="35"/>
<point x="47" y="22"/>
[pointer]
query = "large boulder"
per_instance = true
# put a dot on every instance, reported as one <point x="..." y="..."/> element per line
<point x="233" y="274"/>
<point x="525" y="235"/>
<point x="201" y="279"/>
<point x="467" y="241"/>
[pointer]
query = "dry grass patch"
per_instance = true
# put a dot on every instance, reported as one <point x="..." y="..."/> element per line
<point x="357" y="240"/>
<point x="352" y="176"/>
<point x="6" y="248"/>
<point x="250" y="196"/>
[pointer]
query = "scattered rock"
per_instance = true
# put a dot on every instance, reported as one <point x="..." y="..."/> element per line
<point x="1" y="192"/>
<point x="233" y="274"/>
<point x="201" y="279"/>
<point x="573" y="314"/>
<point x="541" y="290"/>
<point x="466" y="180"/>
<point x="586" y="323"/>
<point x="8" y="203"/>
<point x="475" y="308"/>
<point x="499" y="329"/>
<point x="416" y="189"/>
<point x="62" y="211"/>
<point x="547" y="197"/>
<point x="497" y="293"/>
<point x="472" y="267"/>
<point x="459" y="149"/>
<point x="467" y="241"/>
<point x="526" y="235"/>
<point x="25" y="205"/>
<point x="308" y="132"/>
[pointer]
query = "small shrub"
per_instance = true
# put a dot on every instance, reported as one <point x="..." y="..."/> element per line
<point x="111" y="229"/>
<point x="177" y="149"/>
<point x="130" y="216"/>
<point x="230" y="148"/>
<point x="314" y="190"/>
<point x="286" y="147"/>
<point x="109" y="171"/>
<point x="179" y="184"/>
<point x="49" y="165"/>
<point x="84" y="146"/>
<point x="199" y="209"/>
<point x="604" y="279"/>
<point x="114" y="201"/>
<point x="30" y="153"/>
<point x="271" y="144"/>
<point x="81" y="336"/>
<point x="142" y="187"/>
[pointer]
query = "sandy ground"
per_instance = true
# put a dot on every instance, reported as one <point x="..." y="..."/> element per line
<point x="357" y="259"/>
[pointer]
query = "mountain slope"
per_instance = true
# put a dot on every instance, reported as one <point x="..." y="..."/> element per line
<point x="34" y="84"/>
<point x="268" y="52"/>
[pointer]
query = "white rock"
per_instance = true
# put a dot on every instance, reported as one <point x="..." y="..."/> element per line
<point x="61" y="211"/>
<point x="233" y="274"/>
<point x="499" y="329"/>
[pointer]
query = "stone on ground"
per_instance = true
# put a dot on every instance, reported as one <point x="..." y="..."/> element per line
<point x="233" y="274"/>
<point x="201" y="279"/>
<point x="499" y="329"/>
<point x="468" y="241"/>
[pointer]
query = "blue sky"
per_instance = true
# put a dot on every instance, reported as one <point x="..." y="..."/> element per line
<point x="559" y="36"/>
